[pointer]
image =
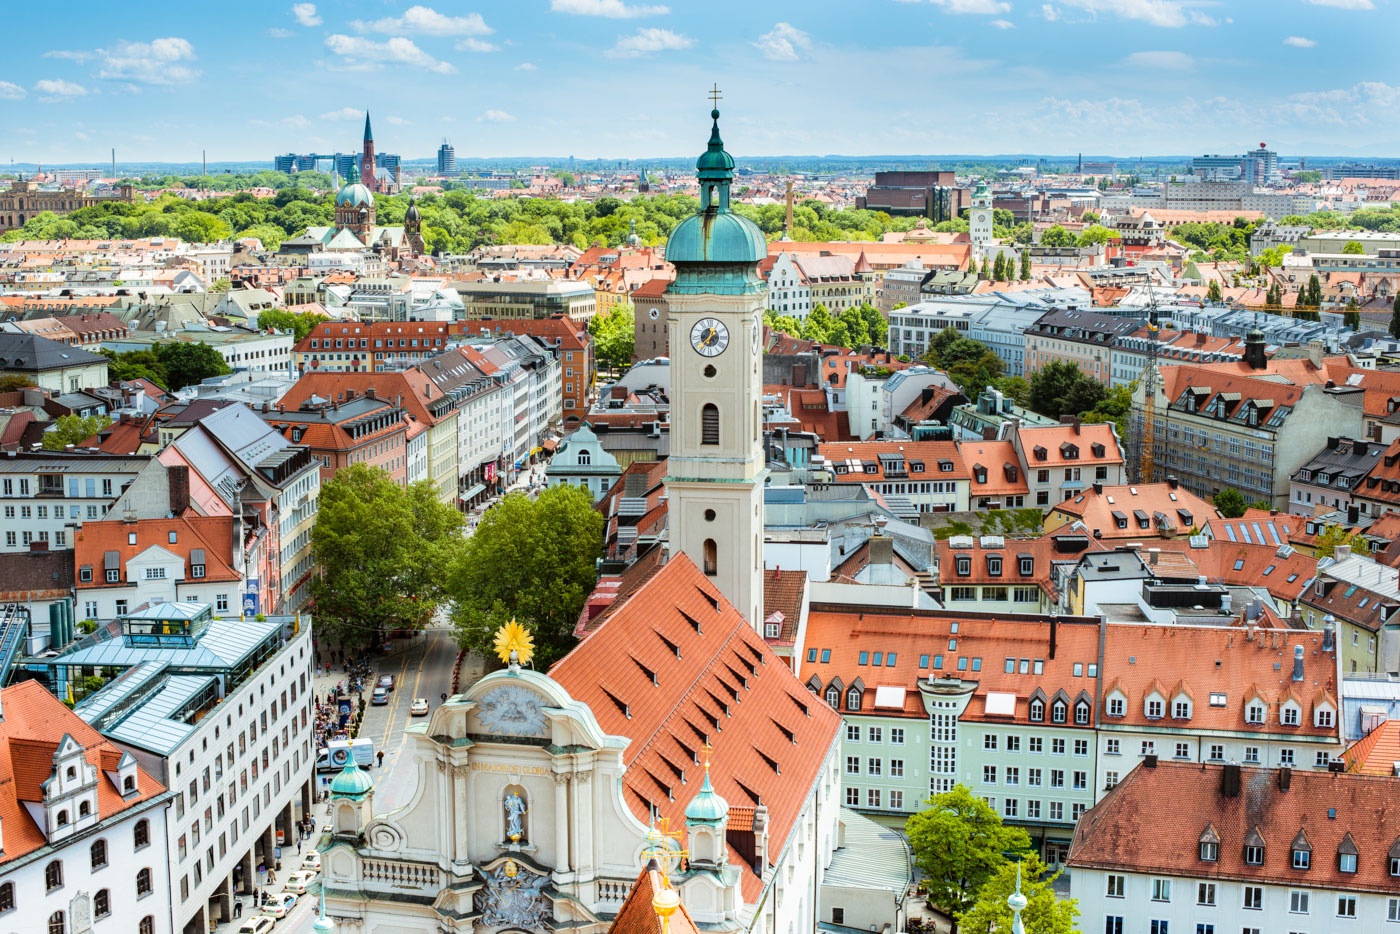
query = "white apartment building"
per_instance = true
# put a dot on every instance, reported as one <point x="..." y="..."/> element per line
<point x="84" y="837"/>
<point x="46" y="496"/>
<point x="231" y="736"/>
<point x="789" y="292"/>
<point x="1222" y="849"/>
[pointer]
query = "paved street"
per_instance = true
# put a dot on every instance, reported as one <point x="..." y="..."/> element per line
<point x="422" y="667"/>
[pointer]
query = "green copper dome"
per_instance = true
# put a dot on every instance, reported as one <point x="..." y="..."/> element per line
<point x="355" y="194"/>
<point x="352" y="782"/>
<point x="716" y="251"/>
<point x="707" y="806"/>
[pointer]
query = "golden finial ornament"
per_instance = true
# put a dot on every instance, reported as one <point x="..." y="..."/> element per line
<point x="665" y="902"/>
<point x="514" y="645"/>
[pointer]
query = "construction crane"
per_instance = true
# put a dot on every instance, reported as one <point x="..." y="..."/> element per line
<point x="1146" y="425"/>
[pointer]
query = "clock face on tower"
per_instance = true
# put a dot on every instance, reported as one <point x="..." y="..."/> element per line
<point x="709" y="337"/>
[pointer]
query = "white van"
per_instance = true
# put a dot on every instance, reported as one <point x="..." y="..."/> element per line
<point x="336" y="754"/>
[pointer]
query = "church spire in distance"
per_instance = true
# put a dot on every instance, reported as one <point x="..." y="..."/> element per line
<point x="369" y="136"/>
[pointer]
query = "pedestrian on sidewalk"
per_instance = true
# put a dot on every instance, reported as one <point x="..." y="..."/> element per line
<point x="380" y="756"/>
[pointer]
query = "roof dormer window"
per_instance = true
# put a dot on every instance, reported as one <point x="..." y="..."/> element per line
<point x="1254" y="712"/>
<point x="994" y="565"/>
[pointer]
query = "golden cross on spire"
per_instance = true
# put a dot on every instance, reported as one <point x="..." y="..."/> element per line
<point x="660" y="851"/>
<point x="708" y="749"/>
<point x="715" y="96"/>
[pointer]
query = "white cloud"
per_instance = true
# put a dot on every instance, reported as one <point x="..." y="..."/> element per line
<point x="397" y="121"/>
<point x="979" y="7"/>
<point x="427" y="21"/>
<point x="781" y="44"/>
<point x="277" y="32"/>
<point x="395" y="51"/>
<point x="649" y="40"/>
<point x="476" y="45"/>
<point x="306" y="14"/>
<point x="1300" y="42"/>
<point x="525" y="66"/>
<point x="1169" y="61"/>
<point x="81" y="136"/>
<point x="612" y="9"/>
<point x="1344" y="4"/>
<point x="9" y="91"/>
<point x="56" y="89"/>
<point x="1050" y="13"/>
<point x="344" y="113"/>
<point x="1167" y="13"/>
<point x="1003" y="24"/>
<point x="154" y="62"/>
<point x="294" y="122"/>
<point x="495" y="116"/>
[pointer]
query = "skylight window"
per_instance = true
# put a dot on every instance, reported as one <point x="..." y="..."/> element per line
<point x="1239" y="564"/>
<point x="1269" y="570"/>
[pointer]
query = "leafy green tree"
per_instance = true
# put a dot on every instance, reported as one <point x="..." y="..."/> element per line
<point x="1095" y="234"/>
<point x="135" y="364"/>
<point x="1352" y="316"/>
<point x="818" y="324"/>
<point x="13" y="382"/>
<point x="985" y="272"/>
<point x="566" y="179"/>
<point x="614" y="335"/>
<point x="785" y="323"/>
<point x="1330" y="537"/>
<point x="1395" y="317"/>
<point x="1025" y="265"/>
<point x="382" y="551"/>
<point x="1353" y="248"/>
<point x="201" y="227"/>
<point x="1213" y="291"/>
<point x="1061" y="388"/>
<point x="1057" y="236"/>
<point x="1114" y="408"/>
<point x="219" y="285"/>
<point x="300" y="323"/>
<point x="1230" y="502"/>
<point x="73" y="429"/>
<point x="999" y="269"/>
<point x="959" y="843"/>
<point x="969" y="363"/>
<point x="1090" y="217"/>
<point x="532" y="561"/>
<point x="186" y="363"/>
<point x="1045" y="913"/>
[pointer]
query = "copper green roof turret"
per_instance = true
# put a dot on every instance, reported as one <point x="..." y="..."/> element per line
<point x="368" y="135"/>
<point x="715" y="250"/>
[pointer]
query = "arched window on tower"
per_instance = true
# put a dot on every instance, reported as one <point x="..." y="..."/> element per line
<point x="709" y="424"/>
<point x="711" y="557"/>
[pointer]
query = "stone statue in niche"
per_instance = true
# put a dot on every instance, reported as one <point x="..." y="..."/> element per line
<point x="513" y="897"/>
<point x="80" y="910"/>
<point x="516" y="809"/>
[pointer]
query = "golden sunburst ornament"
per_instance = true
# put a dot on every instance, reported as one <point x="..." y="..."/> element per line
<point x="514" y="645"/>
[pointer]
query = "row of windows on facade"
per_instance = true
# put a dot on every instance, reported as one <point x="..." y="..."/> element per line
<point x="101" y="908"/>
<point x="1255" y="710"/>
<point x="379" y="343"/>
<point x="1300" y="851"/>
<point x="52" y="484"/>
<point x="1209" y="895"/>
<point x="97" y="854"/>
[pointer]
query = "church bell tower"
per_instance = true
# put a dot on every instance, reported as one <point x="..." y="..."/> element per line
<point x="715" y="473"/>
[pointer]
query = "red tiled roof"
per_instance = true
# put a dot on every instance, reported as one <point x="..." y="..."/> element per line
<point x="782" y="593"/>
<point x="994" y="468"/>
<point x="1225" y="661"/>
<point x="933" y="454"/>
<point x="1059" y="441"/>
<point x="1181" y="801"/>
<point x="673" y="666"/>
<point x="1096" y="510"/>
<point x="34" y="724"/>
<point x="1041" y="551"/>
<point x="213" y="534"/>
<point x="903" y="640"/>
<point x="1377" y="752"/>
<point x="637" y="916"/>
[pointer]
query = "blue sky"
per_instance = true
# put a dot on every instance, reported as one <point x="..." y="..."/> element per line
<point x="627" y="78"/>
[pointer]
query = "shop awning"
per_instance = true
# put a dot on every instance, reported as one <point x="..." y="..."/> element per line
<point x="474" y="491"/>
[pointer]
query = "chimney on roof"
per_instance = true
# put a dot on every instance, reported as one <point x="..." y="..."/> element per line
<point x="1328" y="634"/>
<point x="1098" y="488"/>
<point x="1230" y="780"/>
<point x="1353" y="514"/>
<point x="1254" y="350"/>
<point x="1149" y="761"/>
<point x="1285" y="778"/>
<point x="1173" y="483"/>
<point x="1298" y="662"/>
<point x="1315" y="354"/>
<point x="178" y="479"/>
<point x="1341" y="552"/>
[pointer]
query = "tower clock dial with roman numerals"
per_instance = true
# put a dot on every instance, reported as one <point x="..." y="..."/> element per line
<point x="709" y="337"/>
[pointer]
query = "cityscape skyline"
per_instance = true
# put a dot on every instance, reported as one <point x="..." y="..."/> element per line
<point x="612" y="80"/>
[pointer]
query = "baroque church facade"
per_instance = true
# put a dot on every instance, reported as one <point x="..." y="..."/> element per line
<point x="539" y="798"/>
